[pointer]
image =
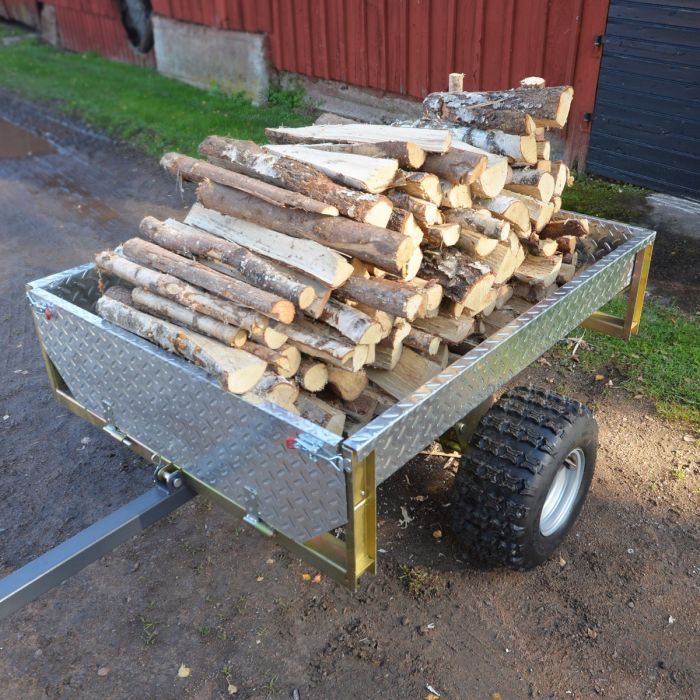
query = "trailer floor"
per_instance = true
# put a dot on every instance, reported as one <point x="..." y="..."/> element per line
<point x="616" y="615"/>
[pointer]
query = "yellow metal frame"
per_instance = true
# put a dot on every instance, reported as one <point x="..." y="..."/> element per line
<point x="344" y="558"/>
<point x="628" y="326"/>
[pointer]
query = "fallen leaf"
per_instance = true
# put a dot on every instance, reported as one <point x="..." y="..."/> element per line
<point x="259" y="578"/>
<point x="316" y="579"/>
<point x="306" y="577"/>
<point x="599" y="377"/>
<point x="103" y="671"/>
<point x="420" y="499"/>
<point x="183" y="671"/>
<point x="562" y="562"/>
<point x="437" y="534"/>
<point x="232" y="689"/>
<point x="671" y="619"/>
<point x="432" y="696"/>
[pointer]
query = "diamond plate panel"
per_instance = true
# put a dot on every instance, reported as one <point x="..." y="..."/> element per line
<point x="180" y="412"/>
<point x="408" y="426"/>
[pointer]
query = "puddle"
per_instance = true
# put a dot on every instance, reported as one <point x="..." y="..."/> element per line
<point x="16" y="142"/>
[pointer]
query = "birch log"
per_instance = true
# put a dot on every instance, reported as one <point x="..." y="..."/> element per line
<point x="351" y="323"/>
<point x="285" y="361"/>
<point x="409" y="155"/>
<point x="393" y="297"/>
<point x="479" y="223"/>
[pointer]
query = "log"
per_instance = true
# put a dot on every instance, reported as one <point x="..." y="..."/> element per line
<point x="566" y="244"/>
<point x="325" y="344"/>
<point x="544" y="150"/>
<point x="388" y="351"/>
<point x="328" y="267"/>
<point x="312" y="375"/>
<point x="495" y="174"/>
<point x="237" y="371"/>
<point x="431" y="140"/>
<point x="431" y="292"/>
<point x="181" y="292"/>
<point x="532" y="293"/>
<point x="404" y="222"/>
<point x="362" y="409"/>
<point x="195" y="170"/>
<point x="422" y="342"/>
<point x="352" y="323"/>
<point x="505" y="292"/>
<point x="548" y="107"/>
<point x="566" y="227"/>
<point x="543" y="247"/>
<point x="155" y="257"/>
<point x="424" y="212"/>
<point x="411" y="372"/>
<point x="395" y="298"/>
<point x="458" y="166"/>
<point x="350" y="169"/>
<point x="455" y="196"/>
<point x="254" y="269"/>
<point x="538" y="270"/>
<point x="171" y="311"/>
<point x="532" y="182"/>
<point x="566" y="273"/>
<point x="455" y="107"/>
<point x="545" y="165"/>
<point x="451" y="330"/>
<point x="503" y="261"/>
<point x="475" y="244"/>
<point x="409" y="155"/>
<point x="511" y="209"/>
<point x="348" y="385"/>
<point x="539" y="212"/>
<point x="560" y="175"/>
<point x="321" y="413"/>
<point x="418" y="184"/>
<point x="276" y="169"/>
<point x="462" y="279"/>
<point x="285" y="361"/>
<point x="533" y="81"/>
<point x="385" y="320"/>
<point x="441" y="235"/>
<point x="455" y="82"/>
<point x="556" y="203"/>
<point x="479" y="223"/>
<point x="389" y="250"/>
<point x="273" y="387"/>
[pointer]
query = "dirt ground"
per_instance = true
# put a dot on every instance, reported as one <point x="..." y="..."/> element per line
<point x="614" y="615"/>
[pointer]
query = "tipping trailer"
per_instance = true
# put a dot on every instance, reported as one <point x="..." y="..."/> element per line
<point x="522" y="481"/>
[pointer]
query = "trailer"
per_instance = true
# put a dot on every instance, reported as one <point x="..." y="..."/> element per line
<point x="527" y="463"/>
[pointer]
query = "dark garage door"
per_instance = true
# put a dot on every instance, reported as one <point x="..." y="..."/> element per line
<point x="646" y="124"/>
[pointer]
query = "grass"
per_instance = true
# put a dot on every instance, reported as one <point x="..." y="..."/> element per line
<point x="661" y="363"/>
<point x="139" y="105"/>
<point x="606" y="199"/>
<point x="419" y="581"/>
<point x="8" y="30"/>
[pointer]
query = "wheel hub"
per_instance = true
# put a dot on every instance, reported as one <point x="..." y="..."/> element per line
<point x="563" y="492"/>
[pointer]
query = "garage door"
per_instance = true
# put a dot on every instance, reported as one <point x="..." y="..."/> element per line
<point x="646" y="123"/>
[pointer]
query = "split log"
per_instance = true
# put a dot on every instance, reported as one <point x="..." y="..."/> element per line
<point x="504" y="260"/>
<point x="348" y="385"/>
<point x="566" y="227"/>
<point x="441" y="235"/>
<point x="411" y="372"/>
<point x="393" y="297"/>
<point x="539" y="212"/>
<point x="455" y="82"/>
<point x="458" y="108"/>
<point x="505" y="292"/>
<point x="459" y="166"/>
<point x="543" y="247"/>
<point x="532" y="293"/>
<point x="388" y="351"/>
<point x="535" y="183"/>
<point x="385" y="320"/>
<point x="430" y="291"/>
<point x="321" y="413"/>
<point x="351" y="323"/>
<point x="533" y="81"/>
<point x="544" y="150"/>
<point x="495" y="174"/>
<point x="418" y="184"/>
<point x="431" y="140"/>
<point x="254" y="269"/>
<point x="389" y="250"/>
<point x="422" y="342"/>
<point x="548" y="107"/>
<point x="326" y="345"/>
<point x="538" y="270"/>
<point x="545" y="165"/>
<point x="566" y="244"/>
<point x="404" y="222"/>
<point x="566" y="273"/>
<point x="171" y="311"/>
<point x="425" y="212"/>
<point x="455" y="196"/>
<point x="196" y="170"/>
<point x="462" y="279"/>
<point x="285" y="361"/>
<point x="475" y="244"/>
<point x="409" y="155"/>
<point x="556" y="203"/>
<point x="511" y="209"/>
<point x="560" y="174"/>
<point x="237" y="371"/>
<point x="312" y="375"/>
<point x="451" y="330"/>
<point x="183" y="293"/>
<point x="249" y="159"/>
<point x="479" y="223"/>
<point x="272" y="387"/>
<point x="155" y="257"/>
<point x="360" y="172"/>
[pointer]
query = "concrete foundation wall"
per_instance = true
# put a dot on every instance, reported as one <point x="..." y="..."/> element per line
<point x="199" y="55"/>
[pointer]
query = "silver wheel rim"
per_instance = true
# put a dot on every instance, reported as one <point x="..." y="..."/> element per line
<point x="563" y="493"/>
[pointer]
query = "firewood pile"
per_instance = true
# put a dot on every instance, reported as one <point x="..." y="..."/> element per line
<point x="336" y="270"/>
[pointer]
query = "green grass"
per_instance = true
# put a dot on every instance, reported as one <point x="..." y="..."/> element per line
<point x="661" y="363"/>
<point x="608" y="200"/>
<point x="139" y="105"/>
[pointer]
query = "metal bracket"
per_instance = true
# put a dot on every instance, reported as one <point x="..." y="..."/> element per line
<point x="312" y="446"/>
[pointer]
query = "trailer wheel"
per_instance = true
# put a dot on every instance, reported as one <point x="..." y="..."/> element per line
<point x="524" y="478"/>
<point x="136" y="18"/>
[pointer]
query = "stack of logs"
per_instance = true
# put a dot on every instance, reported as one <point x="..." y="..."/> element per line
<point x="339" y="269"/>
